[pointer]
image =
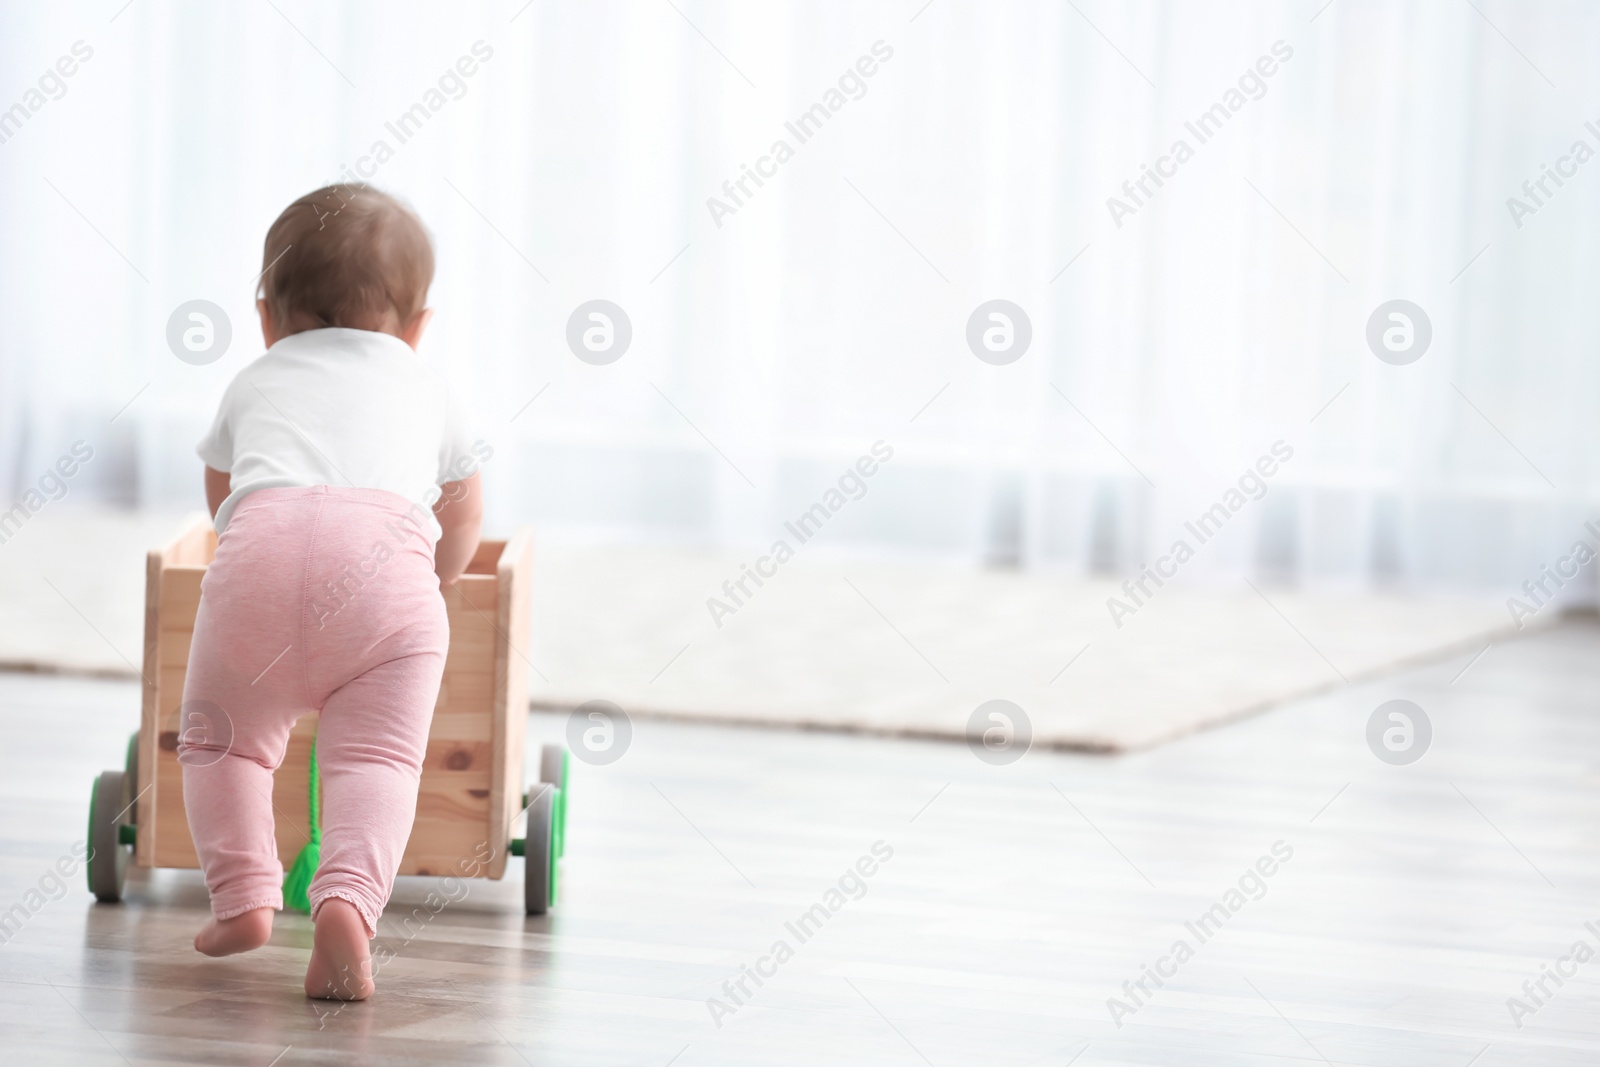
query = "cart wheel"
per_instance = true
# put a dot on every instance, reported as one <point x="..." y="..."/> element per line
<point x="538" y="853"/>
<point x="553" y="765"/>
<point x="108" y="857"/>
<point x="553" y="761"/>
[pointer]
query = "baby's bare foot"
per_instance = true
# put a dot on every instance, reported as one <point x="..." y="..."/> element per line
<point x="224" y="937"/>
<point x="341" y="957"/>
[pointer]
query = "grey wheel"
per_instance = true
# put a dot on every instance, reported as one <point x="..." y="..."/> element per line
<point x="108" y="856"/>
<point x="538" y="887"/>
<point x="538" y="856"/>
<point x="553" y="765"/>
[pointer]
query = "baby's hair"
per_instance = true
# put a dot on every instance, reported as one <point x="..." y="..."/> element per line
<point x="346" y="255"/>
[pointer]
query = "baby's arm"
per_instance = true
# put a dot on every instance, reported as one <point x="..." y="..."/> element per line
<point x="459" y="510"/>
<point x="216" y="489"/>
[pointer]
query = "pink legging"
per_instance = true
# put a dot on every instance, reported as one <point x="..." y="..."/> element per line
<point x="325" y="600"/>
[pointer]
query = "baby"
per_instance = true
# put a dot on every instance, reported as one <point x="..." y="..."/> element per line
<point x="345" y="491"/>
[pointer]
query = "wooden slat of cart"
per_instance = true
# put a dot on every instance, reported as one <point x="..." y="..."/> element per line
<point x="195" y="544"/>
<point x="510" y="717"/>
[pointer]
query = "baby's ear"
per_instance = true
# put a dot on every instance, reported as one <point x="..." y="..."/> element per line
<point x="268" y="333"/>
<point x="411" y="332"/>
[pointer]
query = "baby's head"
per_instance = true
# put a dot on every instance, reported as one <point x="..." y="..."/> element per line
<point x="346" y="255"/>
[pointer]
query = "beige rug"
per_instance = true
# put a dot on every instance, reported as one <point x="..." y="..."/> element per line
<point x="882" y="648"/>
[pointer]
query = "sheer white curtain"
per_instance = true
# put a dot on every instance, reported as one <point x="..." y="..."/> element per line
<point x="1227" y="312"/>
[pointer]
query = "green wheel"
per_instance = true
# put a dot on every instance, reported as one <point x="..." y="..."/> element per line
<point x="554" y="762"/>
<point x="538" y="852"/>
<point x="107" y="866"/>
<point x="561" y="810"/>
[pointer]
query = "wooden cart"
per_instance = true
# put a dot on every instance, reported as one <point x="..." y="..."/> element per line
<point x="471" y="796"/>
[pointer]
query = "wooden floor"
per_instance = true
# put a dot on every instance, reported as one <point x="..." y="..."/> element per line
<point x="1017" y="901"/>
